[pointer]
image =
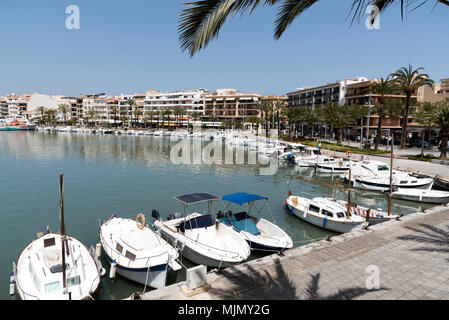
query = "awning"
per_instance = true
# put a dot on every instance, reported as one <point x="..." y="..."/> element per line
<point x="196" y="198"/>
<point x="241" y="198"/>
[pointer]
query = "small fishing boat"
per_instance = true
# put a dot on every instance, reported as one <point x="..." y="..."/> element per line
<point x="420" y="195"/>
<point x="201" y="238"/>
<point x="57" y="267"/>
<point x="375" y="216"/>
<point x="139" y="253"/>
<point x="335" y="167"/>
<point x="260" y="233"/>
<point x="324" y="214"/>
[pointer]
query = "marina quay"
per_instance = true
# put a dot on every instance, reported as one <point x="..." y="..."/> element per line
<point x="221" y="159"/>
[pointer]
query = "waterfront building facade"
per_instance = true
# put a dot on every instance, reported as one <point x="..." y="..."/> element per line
<point x="190" y="100"/>
<point x="316" y="96"/>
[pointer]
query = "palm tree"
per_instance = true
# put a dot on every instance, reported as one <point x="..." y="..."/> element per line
<point x="279" y="106"/>
<point x="131" y="103"/>
<point x="63" y="109"/>
<point x="178" y="111"/>
<point x="213" y="118"/>
<point x="51" y="116"/>
<point x="123" y="117"/>
<point x="426" y="116"/>
<point x="115" y="113"/>
<point x="253" y="120"/>
<point x="137" y="113"/>
<point x="91" y="115"/>
<point x="442" y="121"/>
<point x="408" y="81"/>
<point x="382" y="88"/>
<point x="310" y="116"/>
<point x="41" y="110"/>
<point x="265" y="110"/>
<point x="292" y="115"/>
<point x="201" y="22"/>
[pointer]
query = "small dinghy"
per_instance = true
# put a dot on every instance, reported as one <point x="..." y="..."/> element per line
<point x="137" y="252"/>
<point x="201" y="238"/>
<point x="260" y="233"/>
<point x="324" y="214"/>
<point x="57" y="267"/>
<point x="420" y="195"/>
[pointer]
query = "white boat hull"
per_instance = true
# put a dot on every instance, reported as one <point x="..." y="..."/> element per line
<point x="424" y="196"/>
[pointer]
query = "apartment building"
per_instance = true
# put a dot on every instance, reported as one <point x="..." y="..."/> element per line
<point x="319" y="95"/>
<point x="3" y="108"/>
<point x="190" y="100"/>
<point x="436" y="93"/>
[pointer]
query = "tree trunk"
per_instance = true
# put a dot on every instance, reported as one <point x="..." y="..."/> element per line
<point x="405" y="124"/>
<point x="338" y="135"/>
<point x="444" y="139"/>
<point x="379" y="130"/>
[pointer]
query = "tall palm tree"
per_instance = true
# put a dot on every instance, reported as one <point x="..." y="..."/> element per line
<point x="265" y="109"/>
<point x="123" y="117"/>
<point x="201" y="22"/>
<point x="137" y="113"/>
<point x="178" y="111"/>
<point x="292" y="115"/>
<point x="442" y="121"/>
<point x="279" y="106"/>
<point x="91" y="115"/>
<point x="408" y="81"/>
<point x="131" y="103"/>
<point x="115" y="113"/>
<point x="426" y="116"/>
<point x="253" y="120"/>
<point x="309" y="116"/>
<point x="41" y="110"/>
<point x="63" y="109"/>
<point x="382" y="88"/>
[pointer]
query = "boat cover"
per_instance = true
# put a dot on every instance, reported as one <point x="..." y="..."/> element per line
<point x="241" y="198"/>
<point x="204" y="221"/>
<point x="196" y="197"/>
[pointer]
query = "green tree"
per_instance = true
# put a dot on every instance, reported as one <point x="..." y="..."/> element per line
<point x="309" y="116"/>
<point x="91" y="115"/>
<point x="115" y="113"/>
<point x="382" y="88"/>
<point x="265" y="109"/>
<point x="131" y="104"/>
<point x="253" y="120"/>
<point x="64" y="109"/>
<point x="426" y="116"/>
<point x="41" y="111"/>
<point x="213" y="118"/>
<point x="441" y="118"/>
<point x="292" y="115"/>
<point x="408" y="80"/>
<point x="201" y="22"/>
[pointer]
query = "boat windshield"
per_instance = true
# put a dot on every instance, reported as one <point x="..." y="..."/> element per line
<point x="383" y="167"/>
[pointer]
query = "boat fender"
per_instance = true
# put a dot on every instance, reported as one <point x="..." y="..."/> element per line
<point x="113" y="269"/>
<point x="292" y="211"/>
<point x="155" y="214"/>
<point x="140" y="221"/>
<point x="98" y="250"/>
<point x="324" y="222"/>
<point x="12" y="284"/>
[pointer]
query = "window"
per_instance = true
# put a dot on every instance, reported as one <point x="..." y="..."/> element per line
<point x="49" y="242"/>
<point x="327" y="213"/>
<point x="52" y="287"/>
<point x="340" y="215"/>
<point x="130" y="256"/>
<point x="403" y="182"/>
<point x="73" y="281"/>
<point x="314" y="208"/>
<point x="383" y="168"/>
<point x="119" y="248"/>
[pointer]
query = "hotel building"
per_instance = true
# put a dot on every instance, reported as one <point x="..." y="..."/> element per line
<point x="190" y="100"/>
<point x="319" y="95"/>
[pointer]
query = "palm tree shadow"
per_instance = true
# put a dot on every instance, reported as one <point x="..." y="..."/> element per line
<point x="261" y="285"/>
<point x="437" y="238"/>
<point x="311" y="292"/>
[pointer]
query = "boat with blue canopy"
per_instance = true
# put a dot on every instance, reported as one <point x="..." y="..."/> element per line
<point x="200" y="237"/>
<point x="260" y="233"/>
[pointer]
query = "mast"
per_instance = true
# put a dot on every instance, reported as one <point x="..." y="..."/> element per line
<point x="391" y="176"/>
<point x="348" y="215"/>
<point x="63" y="231"/>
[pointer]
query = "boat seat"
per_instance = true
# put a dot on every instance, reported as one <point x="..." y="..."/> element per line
<point x="241" y="222"/>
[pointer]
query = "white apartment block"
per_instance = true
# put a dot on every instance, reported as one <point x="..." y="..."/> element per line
<point x="190" y="100"/>
<point x="319" y="95"/>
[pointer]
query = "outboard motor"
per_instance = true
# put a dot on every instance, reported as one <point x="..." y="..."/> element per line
<point x="173" y="216"/>
<point x="155" y="214"/>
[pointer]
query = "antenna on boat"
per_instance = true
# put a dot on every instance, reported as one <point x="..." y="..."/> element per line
<point x="63" y="231"/>
<point x="390" y="195"/>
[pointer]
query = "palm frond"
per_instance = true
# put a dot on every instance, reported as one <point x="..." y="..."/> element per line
<point x="202" y="21"/>
<point x="288" y="11"/>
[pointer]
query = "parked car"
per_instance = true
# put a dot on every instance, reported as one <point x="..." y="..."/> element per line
<point x="418" y="144"/>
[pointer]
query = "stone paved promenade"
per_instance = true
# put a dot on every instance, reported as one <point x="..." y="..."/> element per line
<point x="412" y="256"/>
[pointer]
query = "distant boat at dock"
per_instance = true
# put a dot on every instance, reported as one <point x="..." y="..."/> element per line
<point x="16" y="124"/>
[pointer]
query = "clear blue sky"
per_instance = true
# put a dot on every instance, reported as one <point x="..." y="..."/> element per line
<point x="132" y="46"/>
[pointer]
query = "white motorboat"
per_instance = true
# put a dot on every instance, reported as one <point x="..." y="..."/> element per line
<point x="57" y="267"/>
<point x="420" y="195"/>
<point x="140" y="254"/>
<point x="324" y="214"/>
<point x="260" y="233"/>
<point x="316" y="161"/>
<point x="338" y="166"/>
<point x="201" y="238"/>
<point x="375" y="175"/>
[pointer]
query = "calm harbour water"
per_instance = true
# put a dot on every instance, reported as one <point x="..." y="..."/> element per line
<point x="127" y="175"/>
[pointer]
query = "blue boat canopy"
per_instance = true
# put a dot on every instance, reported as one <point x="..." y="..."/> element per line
<point x="196" y="198"/>
<point x="241" y="198"/>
